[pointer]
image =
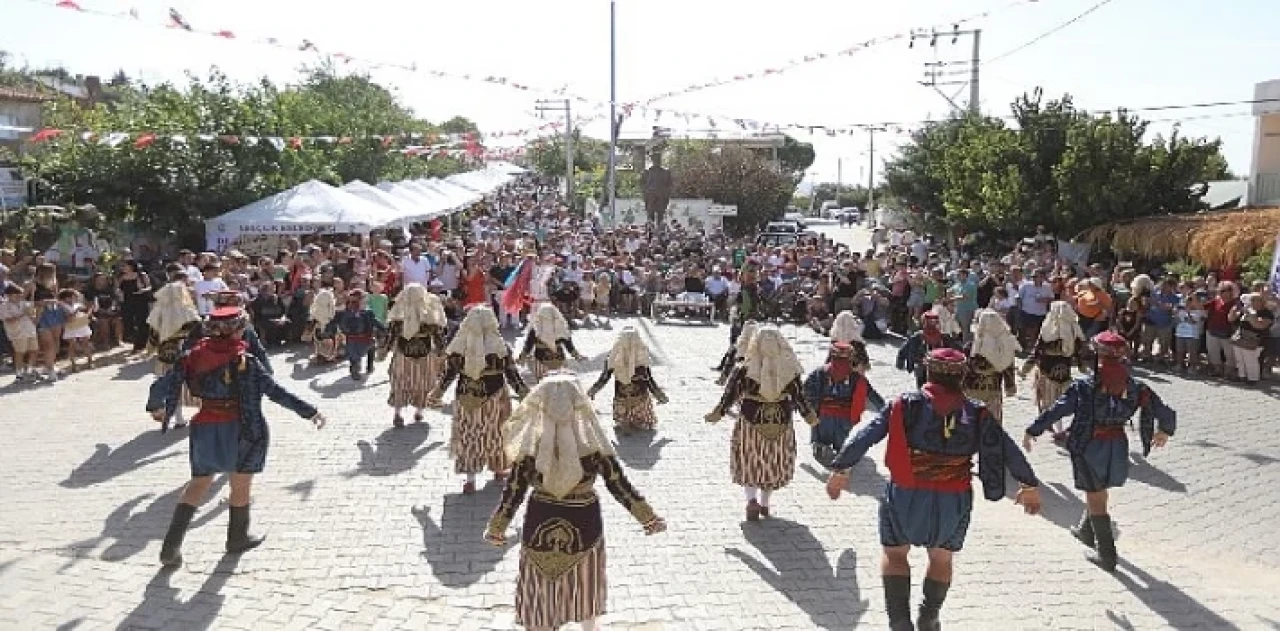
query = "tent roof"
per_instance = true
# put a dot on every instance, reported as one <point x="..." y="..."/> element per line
<point x="503" y="166"/>
<point x="408" y="209"/>
<point x="308" y="208"/>
<point x="428" y="202"/>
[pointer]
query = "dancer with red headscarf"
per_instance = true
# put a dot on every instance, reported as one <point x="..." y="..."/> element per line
<point x="930" y="337"/>
<point x="841" y="394"/>
<point x="933" y="436"/>
<point x="1101" y="405"/>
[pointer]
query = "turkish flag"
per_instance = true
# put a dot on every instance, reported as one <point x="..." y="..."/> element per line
<point x="144" y="141"/>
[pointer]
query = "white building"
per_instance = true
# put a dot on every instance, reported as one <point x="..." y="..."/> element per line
<point x="1264" y="176"/>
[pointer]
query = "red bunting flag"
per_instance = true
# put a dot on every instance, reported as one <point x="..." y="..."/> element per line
<point x="230" y="140"/>
<point x="295" y="143"/>
<point x="144" y="141"/>
<point x="177" y="21"/>
<point x="345" y="140"/>
<point x="387" y="140"/>
<point x="225" y="34"/>
<point x="68" y="4"/>
<point x="46" y="134"/>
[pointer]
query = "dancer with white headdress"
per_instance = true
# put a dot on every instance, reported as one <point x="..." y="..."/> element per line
<point x="847" y="329"/>
<point x="549" y="341"/>
<point x="991" y="377"/>
<point x="767" y="389"/>
<point x="635" y="388"/>
<point x="324" y="307"/>
<point x="1060" y="346"/>
<point x="480" y="360"/>
<point x="173" y="319"/>
<point x="737" y="351"/>
<point x="418" y="326"/>
<point x="558" y="451"/>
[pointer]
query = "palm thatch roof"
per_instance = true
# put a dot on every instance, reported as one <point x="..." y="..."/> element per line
<point x="1211" y="238"/>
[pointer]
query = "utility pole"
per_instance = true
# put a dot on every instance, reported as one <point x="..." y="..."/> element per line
<point x="871" y="169"/>
<point x="562" y="105"/>
<point x="933" y="71"/>
<point x="613" y="111"/>
<point x="839" y="178"/>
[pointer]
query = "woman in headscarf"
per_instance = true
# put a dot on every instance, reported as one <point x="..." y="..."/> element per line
<point x="847" y="329"/>
<point x="635" y="390"/>
<point x="558" y="450"/>
<point x="482" y="363"/>
<point x="737" y="351"/>
<point x="549" y="341"/>
<point x="930" y="337"/>
<point x="767" y="388"/>
<point x="324" y="307"/>
<point x="173" y="319"/>
<point x="417" y="334"/>
<point x="990" y="377"/>
<point x="1059" y="347"/>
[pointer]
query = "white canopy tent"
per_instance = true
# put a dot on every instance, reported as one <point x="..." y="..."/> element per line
<point x="458" y="196"/>
<point x="503" y="166"/>
<point x="408" y="209"/>
<point x="484" y="181"/>
<point x="429" y="203"/>
<point x="309" y="208"/>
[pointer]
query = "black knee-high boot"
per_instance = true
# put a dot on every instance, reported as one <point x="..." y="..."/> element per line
<point x="171" y="549"/>
<point x="897" y="602"/>
<point x="935" y="592"/>
<point x="238" y="537"/>
<point x="1084" y="531"/>
<point x="1105" y="555"/>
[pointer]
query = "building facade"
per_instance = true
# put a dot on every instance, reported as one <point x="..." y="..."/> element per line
<point x="1264" y="175"/>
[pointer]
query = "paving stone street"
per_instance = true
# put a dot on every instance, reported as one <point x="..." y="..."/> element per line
<point x="368" y="528"/>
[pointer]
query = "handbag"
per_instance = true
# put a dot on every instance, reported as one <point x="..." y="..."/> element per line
<point x="1246" y="339"/>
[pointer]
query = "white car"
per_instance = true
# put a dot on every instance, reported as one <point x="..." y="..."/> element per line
<point x="795" y="218"/>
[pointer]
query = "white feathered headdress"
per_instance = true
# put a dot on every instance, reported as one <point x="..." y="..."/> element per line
<point x="557" y="427"/>
<point x="628" y="352"/>
<point x="771" y="362"/>
<point x="477" y="336"/>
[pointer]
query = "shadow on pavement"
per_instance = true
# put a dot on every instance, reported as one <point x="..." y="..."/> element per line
<point x="454" y="547"/>
<point x="393" y="452"/>
<point x="830" y="596"/>
<point x="135" y="370"/>
<point x="864" y="478"/>
<point x="1143" y="471"/>
<point x="106" y="463"/>
<point x="639" y="450"/>
<point x="1180" y="610"/>
<point x="161" y="609"/>
<point x="130" y="532"/>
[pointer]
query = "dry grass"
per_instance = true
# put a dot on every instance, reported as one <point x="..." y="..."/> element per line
<point x="1214" y="239"/>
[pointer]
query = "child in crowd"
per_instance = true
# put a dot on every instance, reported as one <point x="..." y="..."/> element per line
<point x="21" y="331"/>
<point x="77" y="331"/>
<point x="1129" y="323"/>
<point x="1188" y="320"/>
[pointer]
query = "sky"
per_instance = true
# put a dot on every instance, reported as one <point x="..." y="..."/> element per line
<point x="1128" y="53"/>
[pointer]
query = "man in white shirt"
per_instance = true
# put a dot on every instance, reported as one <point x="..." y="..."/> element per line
<point x="210" y="284"/>
<point x="919" y="251"/>
<point x="718" y="289"/>
<point x="415" y="268"/>
<point x="1034" y="299"/>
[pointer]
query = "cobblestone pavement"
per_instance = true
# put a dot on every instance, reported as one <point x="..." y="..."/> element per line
<point x="368" y="529"/>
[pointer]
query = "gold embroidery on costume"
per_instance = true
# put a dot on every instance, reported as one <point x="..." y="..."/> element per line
<point x="552" y="548"/>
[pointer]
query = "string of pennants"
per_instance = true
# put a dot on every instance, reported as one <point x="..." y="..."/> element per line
<point x="175" y="20"/>
<point x="471" y="147"/>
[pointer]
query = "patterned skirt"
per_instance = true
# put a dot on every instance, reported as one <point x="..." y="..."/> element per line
<point x="634" y="412"/>
<point x="1048" y="391"/>
<point x="328" y="349"/>
<point x="993" y="399"/>
<point x="477" y="435"/>
<point x="762" y="459"/>
<point x="542" y="369"/>
<point x="186" y="400"/>
<point x="578" y="594"/>
<point x="412" y="379"/>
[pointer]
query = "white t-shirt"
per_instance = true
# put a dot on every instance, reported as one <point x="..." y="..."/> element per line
<point x="716" y="286"/>
<point x="205" y="287"/>
<point x="920" y="250"/>
<point x="193" y="274"/>
<point x="416" y="271"/>
<point x="1032" y="296"/>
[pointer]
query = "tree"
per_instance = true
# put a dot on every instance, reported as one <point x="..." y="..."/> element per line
<point x="1052" y="165"/>
<point x="732" y="176"/>
<point x="201" y="162"/>
<point x="796" y="157"/>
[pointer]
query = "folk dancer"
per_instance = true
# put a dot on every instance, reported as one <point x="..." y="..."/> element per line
<point x="847" y="329"/>
<point x="635" y="389"/>
<point x="841" y="394"/>
<point x="417" y="331"/>
<point x="250" y="335"/>
<point x="767" y="388"/>
<point x="358" y="326"/>
<point x="229" y="434"/>
<point x="173" y="319"/>
<point x="737" y="351"/>
<point x="1100" y="405"/>
<point x="1061" y="345"/>
<point x="991" y="356"/>
<point x="933" y="435"/>
<point x="746" y="306"/>
<point x="324" y="307"/>
<point x="549" y="341"/>
<point x="482" y="363"/>
<point x="912" y="355"/>
<point x="559" y="451"/>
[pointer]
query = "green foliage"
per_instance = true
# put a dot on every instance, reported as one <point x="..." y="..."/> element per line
<point x="1053" y="165"/>
<point x="796" y="157"/>
<point x="847" y="196"/>
<point x="733" y="176"/>
<point x="173" y="185"/>
<point x="1186" y="268"/>
<point x="1258" y="266"/>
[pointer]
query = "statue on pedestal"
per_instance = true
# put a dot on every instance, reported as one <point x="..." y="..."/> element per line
<point x="656" y="182"/>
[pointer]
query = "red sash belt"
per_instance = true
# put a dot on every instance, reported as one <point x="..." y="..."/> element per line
<point x="1110" y="432"/>
<point x="938" y="472"/>
<point x="359" y="338"/>
<point x="217" y="411"/>
<point x="834" y="408"/>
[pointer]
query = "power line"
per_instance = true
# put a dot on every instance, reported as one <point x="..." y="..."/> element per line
<point x="1041" y="37"/>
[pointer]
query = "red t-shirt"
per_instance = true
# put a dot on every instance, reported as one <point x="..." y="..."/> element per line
<point x="1217" y="322"/>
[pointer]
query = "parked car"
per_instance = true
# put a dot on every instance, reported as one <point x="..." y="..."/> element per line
<point x="796" y="218"/>
<point x="777" y="239"/>
<point x="783" y="226"/>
